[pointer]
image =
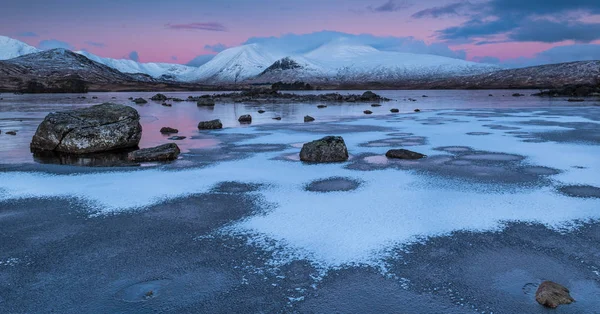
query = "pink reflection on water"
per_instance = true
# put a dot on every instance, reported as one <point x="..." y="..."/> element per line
<point x="378" y="160"/>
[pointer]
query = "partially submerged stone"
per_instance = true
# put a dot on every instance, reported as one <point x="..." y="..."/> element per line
<point x="165" y="152"/>
<point x="245" y="119"/>
<point x="367" y="112"/>
<point x="308" y="119"/>
<point x="551" y="294"/>
<point x="403" y="154"/>
<point x="210" y="125"/>
<point x="205" y="102"/>
<point x="94" y="129"/>
<point x="327" y="149"/>
<point x="159" y="97"/>
<point x="394" y="110"/>
<point x="140" y="101"/>
<point x="168" y="130"/>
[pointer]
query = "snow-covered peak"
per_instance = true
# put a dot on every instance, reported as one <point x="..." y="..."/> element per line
<point x="340" y="50"/>
<point x="12" y="48"/>
<point x="236" y="64"/>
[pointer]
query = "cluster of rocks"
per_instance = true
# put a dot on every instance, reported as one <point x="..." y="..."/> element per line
<point x="273" y="96"/>
<point x="101" y="128"/>
<point x="571" y="91"/>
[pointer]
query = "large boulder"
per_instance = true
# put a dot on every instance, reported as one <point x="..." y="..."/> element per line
<point x="551" y="294"/>
<point x="210" y="125"/>
<point x="403" y="154"/>
<point x="163" y="152"/>
<point x="327" y="149"/>
<point x="95" y="129"/>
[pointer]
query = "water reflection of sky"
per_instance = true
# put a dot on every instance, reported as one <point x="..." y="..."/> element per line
<point x="23" y="113"/>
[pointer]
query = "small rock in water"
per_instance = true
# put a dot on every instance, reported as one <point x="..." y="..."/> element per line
<point x="403" y="154"/>
<point x="490" y="95"/>
<point x="321" y="106"/>
<point x="518" y="95"/>
<point x="163" y="152"/>
<point x="177" y="138"/>
<point x="210" y="125"/>
<point x="95" y="97"/>
<point x="140" y="101"/>
<point x="277" y="118"/>
<point x="205" y="102"/>
<point x="11" y="133"/>
<point x="245" y="119"/>
<point x="159" y="97"/>
<point x="168" y="130"/>
<point x="166" y="104"/>
<point x="425" y="96"/>
<point x="551" y="294"/>
<point x="327" y="149"/>
<point x="367" y="112"/>
<point x="412" y="99"/>
<point x="394" y="110"/>
<point x="308" y="119"/>
<point x="375" y="105"/>
<point x="261" y="111"/>
<point x="417" y="110"/>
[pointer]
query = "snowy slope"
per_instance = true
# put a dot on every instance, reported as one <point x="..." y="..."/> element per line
<point x="12" y="48"/>
<point x="156" y="70"/>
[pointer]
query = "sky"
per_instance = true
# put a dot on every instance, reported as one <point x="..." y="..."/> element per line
<point x="184" y="31"/>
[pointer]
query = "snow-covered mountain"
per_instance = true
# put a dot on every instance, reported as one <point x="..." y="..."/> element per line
<point x="334" y="61"/>
<point x="338" y="60"/>
<point x="167" y="71"/>
<point x="12" y="48"/>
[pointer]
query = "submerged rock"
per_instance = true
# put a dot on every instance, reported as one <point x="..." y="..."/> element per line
<point x="159" y="97"/>
<point x="166" y="104"/>
<point x="322" y="106"/>
<point x="163" y="152"/>
<point x="327" y="149"/>
<point x="394" y="110"/>
<point x="11" y="133"/>
<point x="551" y="294"/>
<point x="205" y="102"/>
<point x="417" y="110"/>
<point x="140" y="101"/>
<point x="94" y="129"/>
<point x="308" y="119"/>
<point x="367" y="112"/>
<point x="277" y="118"/>
<point x="168" y="130"/>
<point x="403" y="154"/>
<point x="177" y="138"/>
<point x="210" y="125"/>
<point x="261" y="111"/>
<point x="245" y="119"/>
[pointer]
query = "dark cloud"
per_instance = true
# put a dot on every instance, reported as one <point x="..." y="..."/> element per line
<point x="210" y="26"/>
<point x="134" y="56"/>
<point x="390" y="6"/>
<point x="215" y="48"/>
<point x="53" y="44"/>
<point x="95" y="44"/>
<point x="27" y="34"/>
<point x="450" y="9"/>
<point x="519" y="20"/>
<point x="200" y="60"/>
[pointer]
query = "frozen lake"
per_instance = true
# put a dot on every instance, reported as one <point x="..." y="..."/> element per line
<point x="508" y="196"/>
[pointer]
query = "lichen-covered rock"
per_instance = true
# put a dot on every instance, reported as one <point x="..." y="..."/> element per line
<point x="551" y="294"/>
<point x="95" y="129"/>
<point x="210" y="125"/>
<point x="327" y="149"/>
<point x="403" y="154"/>
<point x="163" y="152"/>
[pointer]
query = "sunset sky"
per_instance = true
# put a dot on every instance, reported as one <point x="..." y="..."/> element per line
<point x="177" y="31"/>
